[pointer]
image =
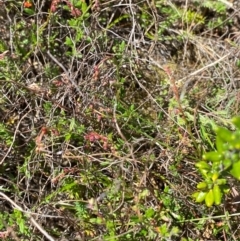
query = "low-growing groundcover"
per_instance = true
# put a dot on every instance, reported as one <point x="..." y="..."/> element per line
<point x="116" y="120"/>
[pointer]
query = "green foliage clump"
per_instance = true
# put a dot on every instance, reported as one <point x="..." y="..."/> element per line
<point x="218" y="165"/>
<point x="216" y="6"/>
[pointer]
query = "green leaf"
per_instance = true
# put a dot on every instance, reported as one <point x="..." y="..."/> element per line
<point x="209" y="199"/>
<point x="215" y="176"/>
<point x="199" y="196"/>
<point x="29" y="11"/>
<point x="227" y="163"/>
<point x="235" y="143"/>
<point x="204" y="172"/>
<point x="219" y="144"/>
<point x="217" y="194"/>
<point x="202" y="185"/>
<point x="212" y="156"/>
<point x="235" y="171"/>
<point x="195" y="195"/>
<point x="149" y="213"/>
<point x="69" y="42"/>
<point x="224" y="134"/>
<point x="84" y="7"/>
<point x="236" y="121"/>
<point x="68" y="136"/>
<point x="221" y="181"/>
<point x="203" y="165"/>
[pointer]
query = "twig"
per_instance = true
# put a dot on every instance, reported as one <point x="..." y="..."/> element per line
<point x="34" y="222"/>
<point x="68" y="74"/>
<point x="14" y="137"/>
<point x="184" y="88"/>
<point x="130" y="147"/>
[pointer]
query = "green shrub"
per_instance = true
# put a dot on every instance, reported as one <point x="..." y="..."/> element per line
<point x="216" y="166"/>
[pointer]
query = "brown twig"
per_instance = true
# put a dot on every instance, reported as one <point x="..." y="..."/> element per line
<point x="34" y="222"/>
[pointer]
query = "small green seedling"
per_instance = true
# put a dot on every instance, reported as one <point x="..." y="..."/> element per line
<point x="217" y="165"/>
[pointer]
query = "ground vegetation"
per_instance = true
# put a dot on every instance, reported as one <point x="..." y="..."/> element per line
<point x="115" y="117"/>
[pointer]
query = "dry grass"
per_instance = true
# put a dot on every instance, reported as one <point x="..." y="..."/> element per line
<point x="101" y="125"/>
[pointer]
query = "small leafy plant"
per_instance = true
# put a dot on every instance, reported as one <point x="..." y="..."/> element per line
<point x="217" y="165"/>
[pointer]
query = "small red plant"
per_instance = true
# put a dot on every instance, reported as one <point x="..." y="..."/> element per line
<point x="58" y="83"/>
<point x="4" y="234"/>
<point x="27" y="4"/>
<point x="38" y="141"/>
<point x="66" y="171"/>
<point x="93" y="137"/>
<point x="2" y="55"/>
<point x="96" y="73"/>
<point x="75" y="12"/>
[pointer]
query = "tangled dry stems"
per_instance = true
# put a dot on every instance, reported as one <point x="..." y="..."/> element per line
<point x="50" y="96"/>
